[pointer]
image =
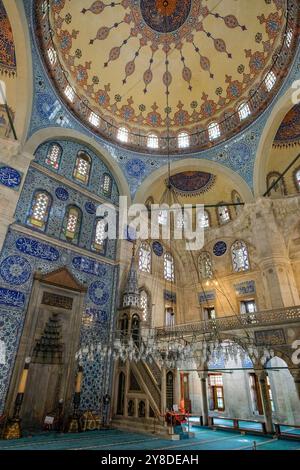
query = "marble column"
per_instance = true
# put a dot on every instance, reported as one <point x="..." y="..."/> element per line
<point x="265" y="398"/>
<point x="177" y="386"/>
<point x="163" y="401"/>
<point x="203" y="379"/>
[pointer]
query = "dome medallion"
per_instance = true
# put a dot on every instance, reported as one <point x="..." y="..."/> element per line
<point x="165" y="15"/>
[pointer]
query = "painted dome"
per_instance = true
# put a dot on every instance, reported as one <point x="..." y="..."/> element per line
<point x="220" y="64"/>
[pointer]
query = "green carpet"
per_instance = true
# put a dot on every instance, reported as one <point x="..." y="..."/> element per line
<point x="205" y="439"/>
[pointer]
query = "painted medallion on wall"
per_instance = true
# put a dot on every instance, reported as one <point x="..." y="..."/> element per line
<point x="220" y="248"/>
<point x="15" y="270"/>
<point x="98" y="293"/>
<point x="62" y="194"/>
<point x="10" y="177"/>
<point x="157" y="248"/>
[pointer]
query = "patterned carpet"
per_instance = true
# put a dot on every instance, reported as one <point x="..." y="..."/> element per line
<point x="205" y="439"/>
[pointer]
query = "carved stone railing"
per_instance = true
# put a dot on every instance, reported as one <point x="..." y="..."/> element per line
<point x="151" y="386"/>
<point x="235" y="322"/>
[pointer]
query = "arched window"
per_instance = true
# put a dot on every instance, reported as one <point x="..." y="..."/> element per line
<point x="144" y="304"/>
<point x="289" y="37"/>
<point x="270" y="80"/>
<point x="163" y="217"/>
<point x="214" y="131"/>
<point x="240" y="257"/>
<point x="183" y="140"/>
<point x="52" y="55"/>
<point x="203" y="219"/>
<point x="279" y="187"/>
<point x="135" y="330"/>
<point x="122" y="134"/>
<point x="71" y="225"/>
<point x="152" y="141"/>
<point x="236" y="199"/>
<point x="94" y="119"/>
<point x="205" y="266"/>
<point x="100" y="236"/>
<point x="297" y="179"/>
<point x="40" y="209"/>
<point x="244" y="111"/>
<point x="121" y="394"/>
<point x="54" y="156"/>
<point x="106" y="184"/>
<point x="82" y="167"/>
<point x="223" y="214"/>
<point x="169" y="272"/>
<point x="69" y="93"/>
<point x="182" y="219"/>
<point x="145" y="258"/>
<point x="169" y="391"/>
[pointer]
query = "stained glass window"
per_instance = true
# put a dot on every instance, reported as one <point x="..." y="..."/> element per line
<point x="244" y="111"/>
<point x="72" y="221"/>
<point x="152" y="141"/>
<point x="205" y="265"/>
<point x="94" y="119"/>
<point x="144" y="302"/>
<point x="51" y="55"/>
<point x="100" y="235"/>
<point x="53" y="156"/>
<point x="214" y="131"/>
<point x="163" y="217"/>
<point x="203" y="219"/>
<point x="82" y="167"/>
<point x="145" y="258"/>
<point x="183" y="140"/>
<point x="70" y="93"/>
<point x="223" y="214"/>
<point x="240" y="257"/>
<point x="169" y="272"/>
<point x="40" y="210"/>
<point x="106" y="184"/>
<point x="122" y="134"/>
<point x="279" y="187"/>
<point x="270" y="80"/>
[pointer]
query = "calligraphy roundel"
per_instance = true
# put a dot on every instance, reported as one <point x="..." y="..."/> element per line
<point x="220" y="248"/>
<point x="15" y="270"/>
<point x="10" y="177"/>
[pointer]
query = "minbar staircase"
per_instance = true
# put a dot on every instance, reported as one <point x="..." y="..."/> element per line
<point x="144" y="386"/>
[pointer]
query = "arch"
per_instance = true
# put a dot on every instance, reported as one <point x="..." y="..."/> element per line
<point x="83" y="166"/>
<point x="145" y="300"/>
<point x="280" y="109"/>
<point x="55" y="133"/>
<point x="39" y="211"/>
<point x="121" y="394"/>
<point x="145" y="257"/>
<point x="190" y="164"/>
<point x="19" y="24"/>
<point x="240" y="256"/>
<point x="71" y="226"/>
<point x="205" y="265"/>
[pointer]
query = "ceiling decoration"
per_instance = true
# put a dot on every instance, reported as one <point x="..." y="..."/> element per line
<point x="113" y="55"/>
<point x="288" y="133"/>
<point x="8" y="64"/>
<point x="192" y="183"/>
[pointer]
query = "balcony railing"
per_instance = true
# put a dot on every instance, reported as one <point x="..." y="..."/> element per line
<point x="235" y="322"/>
